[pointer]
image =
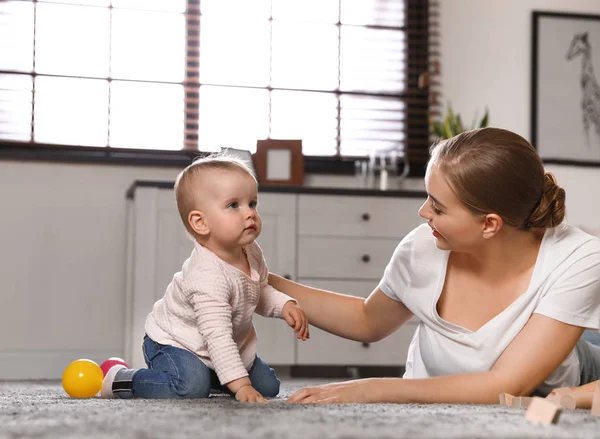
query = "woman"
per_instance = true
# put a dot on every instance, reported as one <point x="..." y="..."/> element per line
<point x="502" y="287"/>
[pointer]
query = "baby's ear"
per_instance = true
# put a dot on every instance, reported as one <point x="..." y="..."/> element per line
<point x="197" y="222"/>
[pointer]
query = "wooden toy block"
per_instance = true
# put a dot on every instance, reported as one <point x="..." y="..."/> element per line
<point x="509" y="400"/>
<point x="561" y="391"/>
<point x="576" y="400"/>
<point x="542" y="411"/>
<point x="522" y="402"/>
<point x="596" y="401"/>
<point x="554" y="398"/>
<point x="556" y="394"/>
<point x="506" y="399"/>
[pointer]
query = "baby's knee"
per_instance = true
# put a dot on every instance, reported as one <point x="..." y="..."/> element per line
<point x="270" y="387"/>
<point x="192" y="390"/>
<point x="195" y="385"/>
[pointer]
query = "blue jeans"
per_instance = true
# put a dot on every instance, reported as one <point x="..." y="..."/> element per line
<point x="588" y="353"/>
<point x="178" y="373"/>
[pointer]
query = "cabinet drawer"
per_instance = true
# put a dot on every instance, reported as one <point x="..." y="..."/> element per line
<point x="276" y="341"/>
<point x="324" y="348"/>
<point x="344" y="258"/>
<point x="377" y="217"/>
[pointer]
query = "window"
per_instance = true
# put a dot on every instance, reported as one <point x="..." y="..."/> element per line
<point x="342" y="75"/>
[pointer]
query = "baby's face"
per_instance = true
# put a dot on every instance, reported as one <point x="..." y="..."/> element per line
<point x="230" y="207"/>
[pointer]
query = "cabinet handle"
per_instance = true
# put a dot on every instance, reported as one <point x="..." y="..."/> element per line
<point x="366" y="345"/>
<point x="366" y="258"/>
<point x="366" y="216"/>
<point x="287" y="276"/>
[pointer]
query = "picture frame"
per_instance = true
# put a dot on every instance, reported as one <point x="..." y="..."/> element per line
<point x="242" y="154"/>
<point x="279" y="162"/>
<point x="565" y="95"/>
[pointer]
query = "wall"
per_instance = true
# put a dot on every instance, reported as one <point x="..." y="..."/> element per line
<point x="62" y="227"/>
<point x="486" y="61"/>
<point x="62" y="263"/>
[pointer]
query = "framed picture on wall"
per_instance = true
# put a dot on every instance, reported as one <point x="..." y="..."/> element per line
<point x="279" y="162"/>
<point x="565" y="100"/>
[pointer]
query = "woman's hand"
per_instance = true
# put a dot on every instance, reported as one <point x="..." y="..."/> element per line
<point x="358" y="391"/>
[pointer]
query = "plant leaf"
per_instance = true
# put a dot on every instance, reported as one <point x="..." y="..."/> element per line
<point x="448" y="127"/>
<point x="450" y="113"/>
<point x="485" y="120"/>
<point x="458" y="125"/>
<point x="452" y="123"/>
<point x="438" y="129"/>
<point x="474" y="124"/>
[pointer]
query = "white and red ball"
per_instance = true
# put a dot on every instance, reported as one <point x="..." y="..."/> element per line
<point x="112" y="361"/>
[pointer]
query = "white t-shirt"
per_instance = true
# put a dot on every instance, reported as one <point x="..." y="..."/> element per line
<point x="565" y="286"/>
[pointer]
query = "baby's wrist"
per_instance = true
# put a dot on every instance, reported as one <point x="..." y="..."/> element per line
<point x="245" y="386"/>
<point x="290" y="302"/>
<point x="236" y="385"/>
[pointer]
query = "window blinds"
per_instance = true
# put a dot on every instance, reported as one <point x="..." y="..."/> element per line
<point x="346" y="76"/>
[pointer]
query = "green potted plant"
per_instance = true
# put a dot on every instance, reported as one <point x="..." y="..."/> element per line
<point x="452" y="124"/>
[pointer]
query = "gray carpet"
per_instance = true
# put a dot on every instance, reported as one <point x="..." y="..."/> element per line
<point x="36" y="410"/>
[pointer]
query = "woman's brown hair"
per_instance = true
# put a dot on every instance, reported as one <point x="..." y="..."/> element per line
<point x="492" y="170"/>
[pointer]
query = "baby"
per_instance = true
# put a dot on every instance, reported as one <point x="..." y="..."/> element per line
<point x="200" y="335"/>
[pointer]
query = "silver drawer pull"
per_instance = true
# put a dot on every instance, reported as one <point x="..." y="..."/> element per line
<point x="366" y="258"/>
<point x="366" y="216"/>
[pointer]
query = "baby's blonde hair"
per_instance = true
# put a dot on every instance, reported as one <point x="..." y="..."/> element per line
<point x="184" y="194"/>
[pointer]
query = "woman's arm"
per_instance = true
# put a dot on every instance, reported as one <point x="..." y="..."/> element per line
<point x="538" y="350"/>
<point x="355" y="318"/>
<point x="589" y="387"/>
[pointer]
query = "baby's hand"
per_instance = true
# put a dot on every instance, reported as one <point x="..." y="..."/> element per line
<point x="249" y="394"/>
<point x="295" y="317"/>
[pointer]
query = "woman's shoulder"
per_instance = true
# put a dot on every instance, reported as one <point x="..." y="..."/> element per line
<point x="419" y="243"/>
<point x="416" y="260"/>
<point x="566" y="239"/>
<point x="568" y="249"/>
<point x="569" y="279"/>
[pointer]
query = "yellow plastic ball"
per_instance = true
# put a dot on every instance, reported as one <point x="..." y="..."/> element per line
<point x="82" y="379"/>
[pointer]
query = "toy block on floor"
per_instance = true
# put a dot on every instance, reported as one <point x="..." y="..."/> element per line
<point x="556" y="394"/>
<point x="522" y="402"/>
<point x="555" y="399"/>
<point x="561" y="391"/>
<point x="576" y="400"/>
<point x="542" y="411"/>
<point x="506" y="399"/>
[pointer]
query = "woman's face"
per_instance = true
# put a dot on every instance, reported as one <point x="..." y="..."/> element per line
<point x="453" y="225"/>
